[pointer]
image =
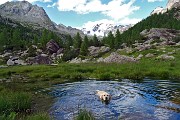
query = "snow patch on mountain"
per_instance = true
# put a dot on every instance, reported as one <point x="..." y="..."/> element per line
<point x="103" y="27"/>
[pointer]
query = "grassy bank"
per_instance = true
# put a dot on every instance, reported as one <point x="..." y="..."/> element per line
<point x="63" y="72"/>
<point x="23" y="93"/>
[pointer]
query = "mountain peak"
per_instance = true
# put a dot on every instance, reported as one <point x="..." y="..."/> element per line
<point x="25" y="12"/>
<point x="173" y="3"/>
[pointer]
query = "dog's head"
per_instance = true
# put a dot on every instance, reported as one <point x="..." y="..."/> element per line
<point x="105" y="97"/>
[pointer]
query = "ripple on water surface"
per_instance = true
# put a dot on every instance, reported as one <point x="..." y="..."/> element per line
<point x="132" y="100"/>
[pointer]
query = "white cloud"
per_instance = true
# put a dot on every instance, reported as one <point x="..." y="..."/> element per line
<point x="53" y="5"/>
<point x="155" y="0"/>
<point x="127" y="21"/>
<point x="116" y="9"/>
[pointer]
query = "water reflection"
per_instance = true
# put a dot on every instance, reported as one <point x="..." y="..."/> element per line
<point x="147" y="99"/>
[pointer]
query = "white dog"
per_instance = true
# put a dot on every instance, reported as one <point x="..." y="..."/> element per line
<point x="104" y="96"/>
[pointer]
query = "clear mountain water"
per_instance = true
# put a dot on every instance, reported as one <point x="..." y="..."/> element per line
<point x="131" y="100"/>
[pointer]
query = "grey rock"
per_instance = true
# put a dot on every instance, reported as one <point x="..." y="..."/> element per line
<point x="32" y="15"/>
<point x="139" y="56"/>
<point x="96" y="51"/>
<point x="10" y="62"/>
<point x="24" y="12"/>
<point x="52" y="46"/>
<point x="163" y="35"/>
<point x="15" y="61"/>
<point x="43" y="59"/>
<point x="149" y="55"/>
<point x="116" y="58"/>
<point x="165" y="57"/>
<point x="173" y="4"/>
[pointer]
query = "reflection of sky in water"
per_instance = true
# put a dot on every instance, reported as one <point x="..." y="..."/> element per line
<point x="143" y="100"/>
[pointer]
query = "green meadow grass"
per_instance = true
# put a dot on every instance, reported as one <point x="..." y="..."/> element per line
<point x="19" y="85"/>
<point x="84" y="115"/>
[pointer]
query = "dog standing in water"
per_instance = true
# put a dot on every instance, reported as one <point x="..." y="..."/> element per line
<point x="104" y="96"/>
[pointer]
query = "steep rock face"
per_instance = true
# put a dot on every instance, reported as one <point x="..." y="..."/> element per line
<point x="173" y="3"/>
<point x="33" y="15"/>
<point x="73" y="31"/>
<point x="160" y="33"/>
<point x="25" y="12"/>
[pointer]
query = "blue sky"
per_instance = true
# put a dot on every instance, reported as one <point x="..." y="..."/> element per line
<point x="81" y="13"/>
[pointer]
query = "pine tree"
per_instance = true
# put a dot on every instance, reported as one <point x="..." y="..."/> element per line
<point x="77" y="41"/>
<point x="110" y="40"/>
<point x="3" y="38"/>
<point x="117" y="41"/>
<point x="44" y="38"/>
<point x="95" y="41"/>
<point x="84" y="47"/>
<point x="16" y="41"/>
<point x="68" y="42"/>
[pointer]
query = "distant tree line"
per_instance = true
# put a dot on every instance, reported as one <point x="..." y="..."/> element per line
<point x="20" y="37"/>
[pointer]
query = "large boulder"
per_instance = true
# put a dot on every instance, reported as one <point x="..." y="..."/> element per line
<point x="43" y="59"/>
<point x="40" y="59"/>
<point x="15" y="61"/>
<point x="52" y="46"/>
<point x="96" y="51"/>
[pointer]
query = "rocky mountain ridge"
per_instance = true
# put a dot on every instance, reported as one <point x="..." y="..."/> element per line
<point x="171" y="4"/>
<point x="33" y="16"/>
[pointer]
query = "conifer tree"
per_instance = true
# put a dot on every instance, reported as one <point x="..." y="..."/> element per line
<point x="117" y="41"/>
<point x="110" y="40"/>
<point x="77" y="41"/>
<point x="95" y="41"/>
<point x="84" y="46"/>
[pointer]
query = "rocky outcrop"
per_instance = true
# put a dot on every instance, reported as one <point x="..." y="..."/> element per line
<point x="162" y="34"/>
<point x="68" y="30"/>
<point x="117" y="58"/>
<point x="40" y="59"/>
<point x="173" y="4"/>
<point x="52" y="46"/>
<point x="96" y="51"/>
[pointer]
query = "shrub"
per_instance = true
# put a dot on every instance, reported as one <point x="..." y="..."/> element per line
<point x="85" y="115"/>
